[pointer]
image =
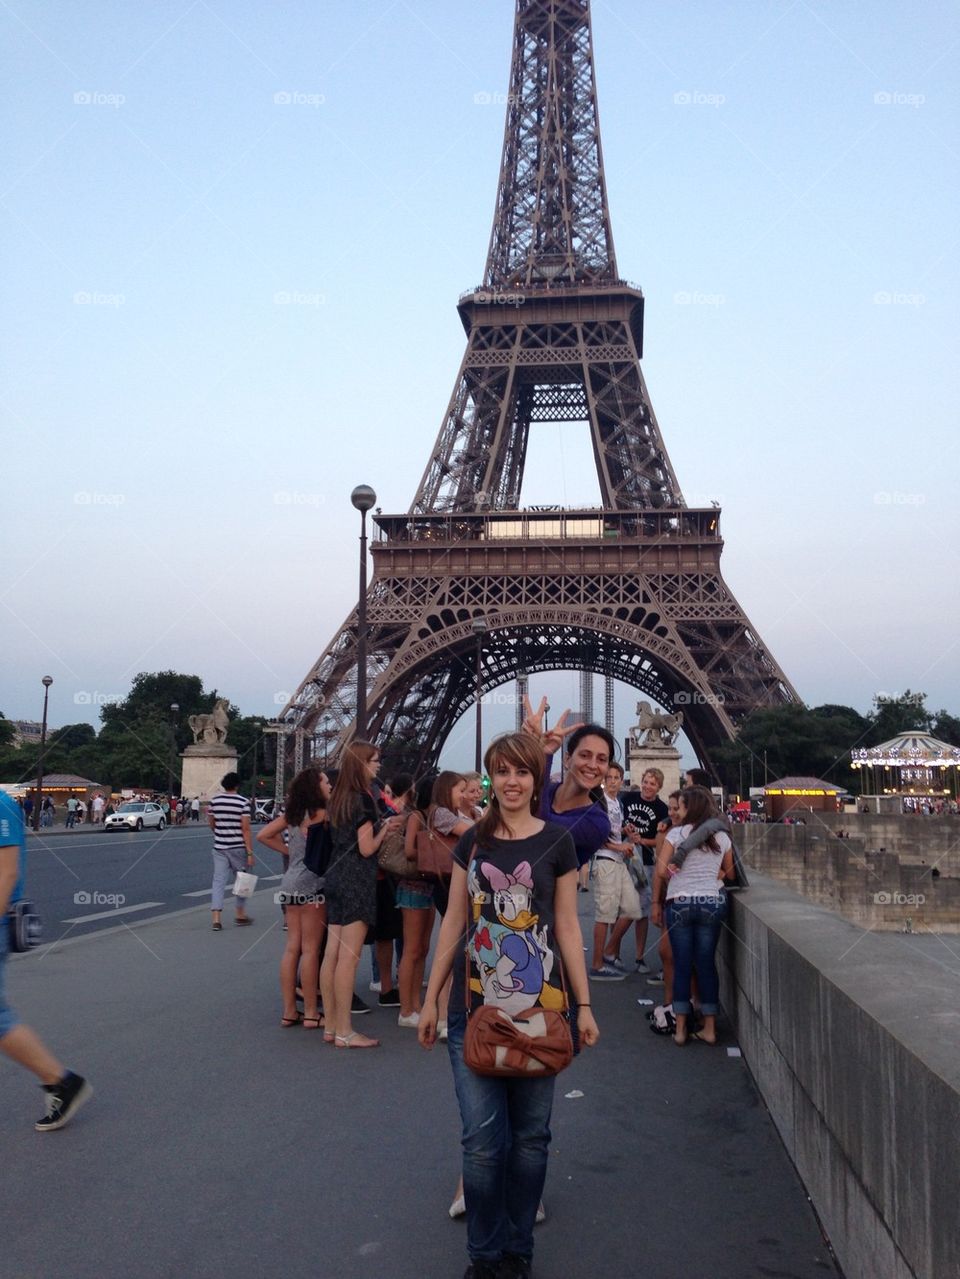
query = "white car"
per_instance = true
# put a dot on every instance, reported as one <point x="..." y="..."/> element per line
<point x="134" y="816"/>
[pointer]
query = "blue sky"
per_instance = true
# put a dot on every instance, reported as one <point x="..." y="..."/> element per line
<point x="234" y="235"/>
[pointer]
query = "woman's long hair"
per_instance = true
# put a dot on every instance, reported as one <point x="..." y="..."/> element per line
<point x="351" y="780"/>
<point x="402" y="787"/>
<point x="522" y="751"/>
<point x="700" y="806"/>
<point x="304" y="797"/>
<point x="591" y="730"/>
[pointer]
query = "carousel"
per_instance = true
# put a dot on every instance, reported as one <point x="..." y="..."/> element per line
<point x="912" y="772"/>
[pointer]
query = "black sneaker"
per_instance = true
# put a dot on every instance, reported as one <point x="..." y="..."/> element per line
<point x="63" y="1101"/>
<point x="358" y="1007"/>
<point x="482" y="1270"/>
<point x="513" y="1266"/>
<point x="390" y="1000"/>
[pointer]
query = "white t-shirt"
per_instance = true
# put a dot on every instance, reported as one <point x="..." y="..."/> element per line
<point x="699" y="876"/>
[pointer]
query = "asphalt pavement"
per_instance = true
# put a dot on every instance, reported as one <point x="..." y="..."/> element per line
<point x="87" y="879"/>
<point x="219" y="1144"/>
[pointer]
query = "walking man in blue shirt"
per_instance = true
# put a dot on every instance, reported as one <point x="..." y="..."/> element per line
<point x="66" y="1092"/>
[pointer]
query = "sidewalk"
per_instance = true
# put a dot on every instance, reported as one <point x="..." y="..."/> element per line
<point x="219" y="1144"/>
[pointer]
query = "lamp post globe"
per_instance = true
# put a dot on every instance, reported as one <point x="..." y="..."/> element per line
<point x="363" y="498"/>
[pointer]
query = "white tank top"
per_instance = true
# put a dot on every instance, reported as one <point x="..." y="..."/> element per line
<point x="699" y="876"/>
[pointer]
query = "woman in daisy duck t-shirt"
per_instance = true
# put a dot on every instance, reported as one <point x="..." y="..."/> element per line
<point x="514" y="893"/>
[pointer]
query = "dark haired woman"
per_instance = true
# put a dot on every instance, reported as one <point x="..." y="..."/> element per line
<point x="350" y="886"/>
<point x="577" y="803"/>
<point x="520" y="876"/>
<point x="300" y="894"/>
<point x="695" y="910"/>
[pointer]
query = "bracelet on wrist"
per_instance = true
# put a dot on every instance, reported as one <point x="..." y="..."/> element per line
<point x="584" y="1005"/>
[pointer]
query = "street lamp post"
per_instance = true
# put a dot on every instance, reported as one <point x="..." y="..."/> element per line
<point x="174" y="711"/>
<point x="478" y="627"/>
<point x="363" y="498"/>
<point x="258" y="728"/>
<point x="46" y="682"/>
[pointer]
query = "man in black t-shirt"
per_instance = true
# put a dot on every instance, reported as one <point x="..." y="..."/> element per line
<point x="643" y="811"/>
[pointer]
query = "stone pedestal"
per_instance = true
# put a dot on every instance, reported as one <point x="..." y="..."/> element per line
<point x="203" y="766"/>
<point x="651" y="755"/>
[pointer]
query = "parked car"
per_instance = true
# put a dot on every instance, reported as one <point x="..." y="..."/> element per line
<point x="135" y="816"/>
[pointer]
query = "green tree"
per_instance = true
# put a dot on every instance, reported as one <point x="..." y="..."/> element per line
<point x="946" y="727"/>
<point x="793" y="740"/>
<point x="894" y="715"/>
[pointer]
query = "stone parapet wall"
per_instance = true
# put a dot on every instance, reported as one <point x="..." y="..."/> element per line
<point x="881" y="890"/>
<point x="854" y="1042"/>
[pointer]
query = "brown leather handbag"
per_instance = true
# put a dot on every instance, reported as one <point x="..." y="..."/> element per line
<point x="392" y="855"/>
<point x="530" y="1044"/>
<point x="435" y="854"/>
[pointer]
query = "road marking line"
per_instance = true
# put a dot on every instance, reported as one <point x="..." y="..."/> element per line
<point x="111" y="914"/>
<point x="268" y="879"/>
<point x="201" y="892"/>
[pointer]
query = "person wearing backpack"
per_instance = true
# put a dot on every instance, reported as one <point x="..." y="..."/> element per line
<point x="65" y="1091"/>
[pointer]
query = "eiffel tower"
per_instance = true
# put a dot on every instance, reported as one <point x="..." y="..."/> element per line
<point x="632" y="589"/>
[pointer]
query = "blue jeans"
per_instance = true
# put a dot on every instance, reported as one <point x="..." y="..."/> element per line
<point x="693" y="925"/>
<point x="506" y="1137"/>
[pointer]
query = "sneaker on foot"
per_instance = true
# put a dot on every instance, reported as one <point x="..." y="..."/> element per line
<point x="411" y="1022"/>
<point x="541" y="1214"/>
<point x="358" y="1007"/>
<point x="606" y="974"/>
<point x="615" y="963"/>
<point x="482" y="1270"/>
<point x="655" y="980"/>
<point x="375" y="987"/>
<point x="641" y="966"/>
<point x="63" y="1101"/>
<point x="513" y="1266"/>
<point x="458" y="1208"/>
<point x="390" y="1000"/>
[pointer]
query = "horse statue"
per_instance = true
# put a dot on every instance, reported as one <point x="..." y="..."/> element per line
<point x="661" y="729"/>
<point x="211" y="728"/>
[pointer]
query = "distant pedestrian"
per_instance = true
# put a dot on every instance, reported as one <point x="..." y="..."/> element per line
<point x="301" y="894"/>
<point x="350" y="886"/>
<point x="195" y="808"/>
<point x="46" y="811"/>
<point x="228" y="815"/>
<point x="66" y="1092"/>
<point x="98" y="807"/>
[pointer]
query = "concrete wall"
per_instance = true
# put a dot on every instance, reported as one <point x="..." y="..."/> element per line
<point x="854" y="1041"/>
<point x="886" y="890"/>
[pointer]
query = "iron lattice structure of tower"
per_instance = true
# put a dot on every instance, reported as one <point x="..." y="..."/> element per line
<point x="632" y="589"/>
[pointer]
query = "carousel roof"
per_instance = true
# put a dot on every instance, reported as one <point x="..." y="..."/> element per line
<point x="808" y="785"/>
<point x="911" y="749"/>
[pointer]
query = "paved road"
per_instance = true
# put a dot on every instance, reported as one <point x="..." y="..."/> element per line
<point x="86" y="881"/>
<point x="219" y="1144"/>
